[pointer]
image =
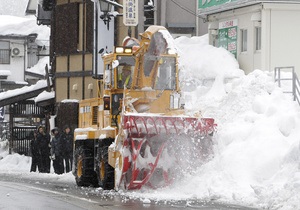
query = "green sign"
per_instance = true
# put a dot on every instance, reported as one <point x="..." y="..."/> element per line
<point x="228" y="36"/>
<point x="202" y="4"/>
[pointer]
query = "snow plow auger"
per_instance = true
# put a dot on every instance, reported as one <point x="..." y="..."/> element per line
<point x="136" y="132"/>
<point x="154" y="150"/>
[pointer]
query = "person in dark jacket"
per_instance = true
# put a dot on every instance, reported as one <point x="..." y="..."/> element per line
<point x="35" y="153"/>
<point x="43" y="139"/>
<point x="67" y="139"/>
<point x="56" y="152"/>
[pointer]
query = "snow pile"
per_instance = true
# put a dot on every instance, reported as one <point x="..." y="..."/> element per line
<point x="257" y="157"/>
<point x="13" y="163"/>
<point x="256" y="147"/>
<point x="199" y="61"/>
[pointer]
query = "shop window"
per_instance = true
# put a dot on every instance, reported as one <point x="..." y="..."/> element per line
<point x="4" y="52"/>
<point x="258" y="38"/>
<point x="244" y="38"/>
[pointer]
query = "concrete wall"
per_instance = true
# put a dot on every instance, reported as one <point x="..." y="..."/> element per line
<point x="282" y="40"/>
<point x="17" y="64"/>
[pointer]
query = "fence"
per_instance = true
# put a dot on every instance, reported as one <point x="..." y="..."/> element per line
<point x="26" y="117"/>
<point x="295" y="84"/>
<point x="22" y="137"/>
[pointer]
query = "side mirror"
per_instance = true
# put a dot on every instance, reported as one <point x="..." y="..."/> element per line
<point x="101" y="51"/>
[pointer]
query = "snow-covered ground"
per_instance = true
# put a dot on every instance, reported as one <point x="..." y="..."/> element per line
<point x="256" y="148"/>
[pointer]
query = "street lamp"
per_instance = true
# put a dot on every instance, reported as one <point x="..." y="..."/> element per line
<point x="105" y="8"/>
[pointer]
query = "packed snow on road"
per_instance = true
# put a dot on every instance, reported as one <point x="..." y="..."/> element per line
<point x="256" y="159"/>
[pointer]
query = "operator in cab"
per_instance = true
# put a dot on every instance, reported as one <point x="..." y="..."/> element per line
<point x="124" y="77"/>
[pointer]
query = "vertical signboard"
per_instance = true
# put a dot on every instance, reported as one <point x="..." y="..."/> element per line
<point x="2" y="114"/>
<point x="130" y="12"/>
<point x="228" y="36"/>
<point x="103" y="40"/>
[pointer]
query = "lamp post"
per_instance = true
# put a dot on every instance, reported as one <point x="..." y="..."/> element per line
<point x="105" y="8"/>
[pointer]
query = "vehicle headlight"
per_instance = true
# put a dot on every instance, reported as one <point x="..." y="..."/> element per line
<point x="119" y="50"/>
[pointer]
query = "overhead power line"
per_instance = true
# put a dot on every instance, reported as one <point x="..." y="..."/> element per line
<point x="186" y="9"/>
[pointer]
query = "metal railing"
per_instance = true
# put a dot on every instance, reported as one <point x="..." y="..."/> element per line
<point x="295" y="84"/>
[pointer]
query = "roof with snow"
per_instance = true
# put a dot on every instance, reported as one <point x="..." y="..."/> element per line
<point x="24" y="93"/>
<point x="12" y="25"/>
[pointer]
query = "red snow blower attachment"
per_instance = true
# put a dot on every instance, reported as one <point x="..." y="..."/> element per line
<point x="158" y="149"/>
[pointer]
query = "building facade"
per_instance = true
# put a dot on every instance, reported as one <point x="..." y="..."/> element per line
<point x="78" y="34"/>
<point x="17" y="54"/>
<point x="260" y="34"/>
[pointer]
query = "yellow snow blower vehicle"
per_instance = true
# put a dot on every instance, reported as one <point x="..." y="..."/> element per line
<point x="136" y="132"/>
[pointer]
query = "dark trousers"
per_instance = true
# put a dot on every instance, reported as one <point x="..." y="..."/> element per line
<point x="45" y="164"/>
<point x="68" y="162"/>
<point x="35" y="163"/>
<point x="58" y="165"/>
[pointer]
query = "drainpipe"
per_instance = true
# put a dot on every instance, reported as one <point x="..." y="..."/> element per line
<point x="197" y="18"/>
<point x="10" y="141"/>
<point x="83" y="45"/>
<point x="25" y="56"/>
<point x="95" y="47"/>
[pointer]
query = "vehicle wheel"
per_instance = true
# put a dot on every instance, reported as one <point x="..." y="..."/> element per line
<point x="84" y="167"/>
<point x="106" y="172"/>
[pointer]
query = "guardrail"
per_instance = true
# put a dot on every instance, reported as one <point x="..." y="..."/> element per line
<point x="295" y="86"/>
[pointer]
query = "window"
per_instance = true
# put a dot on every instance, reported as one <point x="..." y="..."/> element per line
<point x="166" y="75"/>
<point x="148" y="13"/>
<point x="244" y="40"/>
<point x="95" y="115"/>
<point x="258" y="38"/>
<point x="4" y="52"/>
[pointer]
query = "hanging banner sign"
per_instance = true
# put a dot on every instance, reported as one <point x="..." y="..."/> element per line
<point x="130" y="12"/>
<point x="228" y="36"/>
<point x="2" y="113"/>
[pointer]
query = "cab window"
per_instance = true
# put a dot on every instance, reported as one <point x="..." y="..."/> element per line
<point x="166" y="75"/>
<point x="125" y="71"/>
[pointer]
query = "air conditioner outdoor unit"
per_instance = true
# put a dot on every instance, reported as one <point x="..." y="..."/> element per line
<point x="17" y="49"/>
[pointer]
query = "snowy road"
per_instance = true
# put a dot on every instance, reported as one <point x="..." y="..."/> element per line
<point x="17" y="192"/>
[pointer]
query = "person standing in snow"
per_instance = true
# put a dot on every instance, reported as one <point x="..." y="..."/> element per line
<point x="35" y="153"/>
<point x="67" y="139"/>
<point x="56" y="152"/>
<point x="43" y="140"/>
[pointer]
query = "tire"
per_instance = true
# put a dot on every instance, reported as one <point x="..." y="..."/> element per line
<point x="106" y="173"/>
<point x="84" y="167"/>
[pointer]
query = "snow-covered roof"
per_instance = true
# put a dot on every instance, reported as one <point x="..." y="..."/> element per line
<point x="5" y="73"/>
<point x="26" y="93"/>
<point x="44" y="96"/>
<point x="12" y="25"/>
